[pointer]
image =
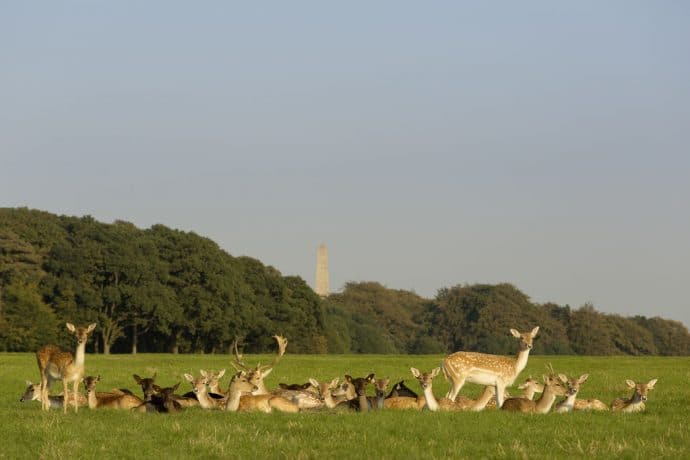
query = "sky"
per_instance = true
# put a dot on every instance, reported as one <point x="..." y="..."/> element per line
<point x="427" y="144"/>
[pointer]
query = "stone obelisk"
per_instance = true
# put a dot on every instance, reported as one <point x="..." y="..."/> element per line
<point x="322" y="287"/>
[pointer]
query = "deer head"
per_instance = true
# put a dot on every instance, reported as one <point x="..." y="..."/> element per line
<point x="148" y="385"/>
<point x="257" y="374"/>
<point x="526" y="338"/>
<point x="641" y="389"/>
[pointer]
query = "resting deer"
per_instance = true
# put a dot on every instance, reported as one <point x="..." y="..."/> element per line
<point x="199" y="387"/>
<point x="361" y="402"/>
<point x="113" y="400"/>
<point x="327" y="394"/>
<point x="55" y="364"/>
<point x="380" y="388"/>
<point x="484" y="369"/>
<point x="530" y="387"/>
<point x="150" y="389"/>
<point x="590" y="404"/>
<point x="573" y="387"/>
<point x="400" y="389"/>
<point x="553" y="387"/>
<point x="257" y="374"/>
<point x="33" y="393"/>
<point x="636" y="403"/>
<point x="213" y="382"/>
<point x="425" y="380"/>
<point x="162" y="401"/>
<point x="237" y="398"/>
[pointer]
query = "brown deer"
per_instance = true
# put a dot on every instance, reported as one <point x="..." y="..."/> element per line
<point x="33" y="393"/>
<point x="553" y="387"/>
<point x="573" y="387"/>
<point x="112" y="400"/>
<point x="425" y="380"/>
<point x="257" y="374"/>
<point x="163" y="401"/>
<point x="485" y="369"/>
<point x="199" y="387"/>
<point x="213" y="382"/>
<point x="147" y="385"/>
<point x="530" y="387"/>
<point x="380" y="388"/>
<point x="238" y="400"/>
<point x="361" y="402"/>
<point x="55" y="364"/>
<point x="636" y="403"/>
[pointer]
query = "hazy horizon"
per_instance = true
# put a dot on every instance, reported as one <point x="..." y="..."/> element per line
<point x="427" y="145"/>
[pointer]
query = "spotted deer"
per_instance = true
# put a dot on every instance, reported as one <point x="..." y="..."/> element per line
<point x="425" y="380"/>
<point x="327" y="393"/>
<point x="200" y="389"/>
<point x="485" y="369"/>
<point x="530" y="387"/>
<point x="213" y="382"/>
<point x="238" y="398"/>
<point x="553" y="387"/>
<point x="33" y="393"/>
<point x="55" y="364"/>
<point x="113" y="400"/>
<point x="572" y="388"/>
<point x="257" y="374"/>
<point x="636" y="403"/>
<point x="590" y="404"/>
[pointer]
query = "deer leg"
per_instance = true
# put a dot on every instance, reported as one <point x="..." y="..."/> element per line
<point x="65" y="395"/>
<point x="45" y="405"/>
<point x="500" y="390"/>
<point x="76" y="395"/>
<point x="457" y="385"/>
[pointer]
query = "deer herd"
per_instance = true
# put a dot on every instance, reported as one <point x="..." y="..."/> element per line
<point x="247" y="391"/>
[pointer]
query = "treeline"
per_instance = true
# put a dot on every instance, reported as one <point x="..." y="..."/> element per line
<point x="160" y="289"/>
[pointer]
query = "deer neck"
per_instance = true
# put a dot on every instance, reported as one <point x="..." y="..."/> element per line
<point x="380" y="401"/>
<point x="521" y="361"/>
<point x="568" y="403"/>
<point x="329" y="401"/>
<point x="91" y="399"/>
<point x="431" y="401"/>
<point x="363" y="402"/>
<point x="80" y="354"/>
<point x="204" y="399"/>
<point x="547" y="399"/>
<point x="528" y="393"/>
<point x="233" y="401"/>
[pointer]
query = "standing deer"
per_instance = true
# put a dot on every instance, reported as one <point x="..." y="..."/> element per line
<point x="257" y="374"/>
<point x="485" y="369"/>
<point x="573" y="387"/>
<point x="553" y="386"/>
<point x="55" y="364"/>
<point x="636" y="403"/>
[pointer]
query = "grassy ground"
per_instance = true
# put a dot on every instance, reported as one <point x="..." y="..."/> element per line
<point x="660" y="432"/>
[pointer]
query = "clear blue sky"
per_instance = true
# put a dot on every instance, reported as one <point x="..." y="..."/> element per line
<point x="540" y="143"/>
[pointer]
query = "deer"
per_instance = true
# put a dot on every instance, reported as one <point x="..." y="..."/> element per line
<point x="573" y="387"/>
<point x="113" y="400"/>
<point x="553" y="386"/>
<point x="199" y="387"/>
<point x="380" y="388"/>
<point x="213" y="382"/>
<point x="425" y="380"/>
<point x="530" y="387"/>
<point x="150" y="389"/>
<point x="238" y="398"/>
<point x="361" y="403"/>
<point x="163" y="401"/>
<point x="327" y="393"/>
<point x="55" y="364"/>
<point x="257" y="374"/>
<point x="590" y="404"/>
<point x="33" y="393"/>
<point x="486" y="369"/>
<point x="400" y="389"/>
<point x="636" y="403"/>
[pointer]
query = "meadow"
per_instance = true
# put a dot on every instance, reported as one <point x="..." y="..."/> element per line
<point x="660" y="432"/>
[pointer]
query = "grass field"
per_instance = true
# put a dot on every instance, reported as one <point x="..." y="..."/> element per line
<point x="661" y="432"/>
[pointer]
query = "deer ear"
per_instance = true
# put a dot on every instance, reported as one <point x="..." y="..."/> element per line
<point x="91" y="327"/>
<point x="515" y="333"/>
<point x="563" y="378"/>
<point x="651" y="384"/>
<point x="415" y="372"/>
<point x="435" y="372"/>
<point x="535" y="331"/>
<point x="203" y="373"/>
<point x="174" y="388"/>
<point x="348" y="378"/>
<point x="370" y="377"/>
<point x="98" y="378"/>
<point x="630" y="383"/>
<point x="70" y="327"/>
<point x="314" y="382"/>
<point x="189" y="377"/>
<point x="28" y="383"/>
<point x="136" y="378"/>
<point x="268" y="371"/>
<point x="583" y="378"/>
<point x="221" y="373"/>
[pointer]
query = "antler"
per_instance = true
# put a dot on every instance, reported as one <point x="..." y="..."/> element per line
<point x="549" y="367"/>
<point x="238" y="364"/>
<point x="282" y="345"/>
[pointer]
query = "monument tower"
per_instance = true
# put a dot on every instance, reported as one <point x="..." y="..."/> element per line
<point x="322" y="287"/>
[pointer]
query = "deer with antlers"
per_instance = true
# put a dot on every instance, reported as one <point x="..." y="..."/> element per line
<point x="55" y="364"/>
<point x="485" y="369"/>
<point x="241" y="398"/>
<point x="256" y="375"/>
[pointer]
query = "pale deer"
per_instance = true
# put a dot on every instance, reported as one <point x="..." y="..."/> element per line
<point x="636" y="403"/>
<point x="572" y="388"/>
<point x="257" y="374"/>
<point x="326" y="393"/>
<point x="55" y="364"/>
<point x="530" y="387"/>
<point x="33" y="393"/>
<point x="239" y="400"/>
<point x="200" y="389"/>
<point x="553" y="387"/>
<point x="113" y="400"/>
<point x="380" y="388"/>
<point x="485" y="369"/>
<point x="213" y="382"/>
<point x="425" y="380"/>
<point x="590" y="404"/>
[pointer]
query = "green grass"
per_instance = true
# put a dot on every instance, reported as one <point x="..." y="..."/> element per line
<point x="660" y="432"/>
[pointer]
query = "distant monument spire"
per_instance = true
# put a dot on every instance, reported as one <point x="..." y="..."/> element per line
<point x="322" y="285"/>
